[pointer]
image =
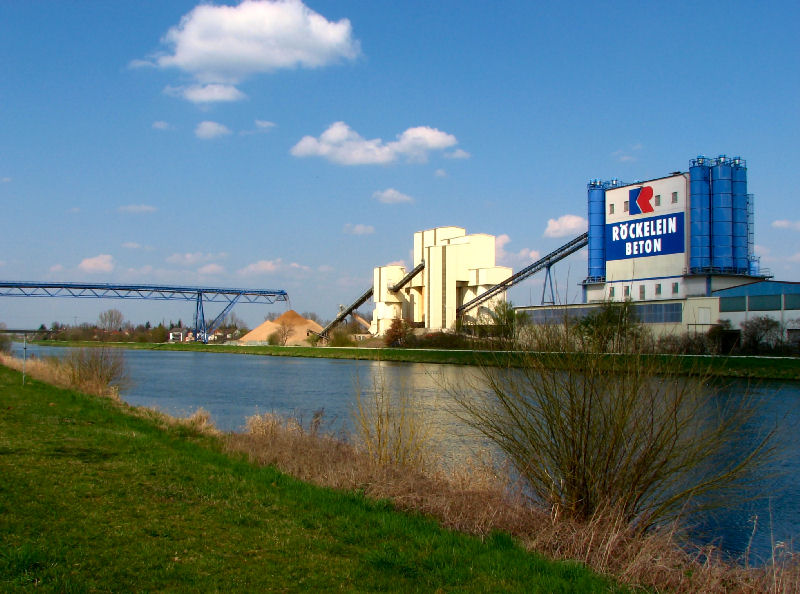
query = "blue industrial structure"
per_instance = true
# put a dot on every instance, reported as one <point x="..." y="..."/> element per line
<point x="153" y="292"/>
<point x="722" y="217"/>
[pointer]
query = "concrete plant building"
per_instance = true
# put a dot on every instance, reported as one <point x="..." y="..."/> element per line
<point x="449" y="269"/>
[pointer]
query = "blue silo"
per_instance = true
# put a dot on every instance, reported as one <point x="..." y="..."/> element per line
<point x="721" y="215"/>
<point x="700" y="212"/>
<point x="741" y="252"/>
<point x="597" y="228"/>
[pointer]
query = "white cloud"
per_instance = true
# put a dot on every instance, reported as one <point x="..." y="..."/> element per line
<point x="132" y="245"/>
<point x="210" y="93"/>
<point x="161" y="125"/>
<point x="5" y="180"/>
<point x="325" y="268"/>
<point x="194" y="258"/>
<point x="56" y="268"/>
<point x="224" y="45"/>
<point x="458" y="154"/>
<point x="523" y="256"/>
<point x="294" y="266"/>
<point x="74" y="210"/>
<point x="396" y="263"/>
<point x="211" y="269"/>
<point x="145" y="270"/>
<point x="343" y="145"/>
<point x="625" y="156"/>
<point x="440" y="173"/>
<point x="260" y="267"/>
<point x="794" y="257"/>
<point x="262" y="127"/>
<point x="207" y="130"/>
<point x="100" y="263"/>
<point x="565" y="225"/>
<point x="784" y="224"/>
<point x="391" y="196"/>
<point x="359" y="229"/>
<point x="137" y="209"/>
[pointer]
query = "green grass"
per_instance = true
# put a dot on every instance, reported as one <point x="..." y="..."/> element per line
<point x="96" y="499"/>
<point x="780" y="368"/>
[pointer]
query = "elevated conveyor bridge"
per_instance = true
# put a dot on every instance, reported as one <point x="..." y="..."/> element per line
<point x="542" y="264"/>
<point x="199" y="295"/>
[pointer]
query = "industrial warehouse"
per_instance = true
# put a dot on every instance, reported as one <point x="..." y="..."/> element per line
<point x="680" y="248"/>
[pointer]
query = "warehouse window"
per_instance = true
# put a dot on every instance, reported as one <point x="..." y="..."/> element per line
<point x="610" y="209"/>
<point x="791" y="301"/>
<point x="733" y="303"/>
<point x="675" y="288"/>
<point x="674" y="197"/>
<point x="641" y="291"/>
<point x="625" y="206"/>
<point x="764" y="303"/>
<point x="627" y="291"/>
<point x="658" y="289"/>
<point x="658" y="199"/>
<point x="611" y="293"/>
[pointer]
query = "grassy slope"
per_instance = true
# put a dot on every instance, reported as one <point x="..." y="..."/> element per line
<point x="92" y="499"/>
<point x="785" y="368"/>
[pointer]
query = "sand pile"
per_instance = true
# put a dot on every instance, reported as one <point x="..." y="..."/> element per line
<point x="297" y="325"/>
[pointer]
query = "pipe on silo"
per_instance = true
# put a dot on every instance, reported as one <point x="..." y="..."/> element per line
<point x="700" y="212"/>
<point x="597" y="229"/>
<point x="722" y="215"/>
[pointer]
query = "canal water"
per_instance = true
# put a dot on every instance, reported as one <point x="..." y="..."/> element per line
<point x="232" y="387"/>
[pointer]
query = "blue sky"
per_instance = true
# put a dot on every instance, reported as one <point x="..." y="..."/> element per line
<point x="296" y="146"/>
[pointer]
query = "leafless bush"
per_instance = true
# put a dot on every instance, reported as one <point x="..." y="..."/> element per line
<point x="389" y="428"/>
<point x="623" y="435"/>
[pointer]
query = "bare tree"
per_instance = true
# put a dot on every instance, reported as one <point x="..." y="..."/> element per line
<point x="111" y="320"/>
<point x="283" y="332"/>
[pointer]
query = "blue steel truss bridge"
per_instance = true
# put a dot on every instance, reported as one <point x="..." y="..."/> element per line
<point x="199" y="295"/>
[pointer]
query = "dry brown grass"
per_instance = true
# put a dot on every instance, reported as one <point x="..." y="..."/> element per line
<point x="97" y="373"/>
<point x="477" y="499"/>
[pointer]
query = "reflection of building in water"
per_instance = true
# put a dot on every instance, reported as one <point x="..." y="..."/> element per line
<point x="430" y="390"/>
<point x="457" y="268"/>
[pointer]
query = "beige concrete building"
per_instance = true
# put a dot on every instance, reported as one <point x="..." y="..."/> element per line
<point x="457" y="268"/>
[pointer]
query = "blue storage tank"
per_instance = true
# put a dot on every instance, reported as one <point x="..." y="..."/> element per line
<point x="700" y="213"/>
<point x="721" y="215"/>
<point x="741" y="252"/>
<point x="597" y="228"/>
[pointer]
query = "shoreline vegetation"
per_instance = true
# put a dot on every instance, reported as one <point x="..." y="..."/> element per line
<point x="92" y="481"/>
<point x="730" y="366"/>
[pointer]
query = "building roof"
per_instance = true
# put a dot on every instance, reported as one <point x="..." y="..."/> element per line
<point x="766" y="287"/>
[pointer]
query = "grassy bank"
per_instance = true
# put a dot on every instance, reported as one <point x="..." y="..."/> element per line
<point x="779" y="368"/>
<point x="95" y="496"/>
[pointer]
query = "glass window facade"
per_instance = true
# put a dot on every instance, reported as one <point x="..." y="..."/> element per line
<point x="650" y="313"/>
<point x="732" y="304"/>
<point x="764" y="303"/>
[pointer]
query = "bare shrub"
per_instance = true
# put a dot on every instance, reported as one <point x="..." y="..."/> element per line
<point x="623" y="435"/>
<point x="341" y="338"/>
<point x="96" y="370"/>
<point x="389" y="428"/>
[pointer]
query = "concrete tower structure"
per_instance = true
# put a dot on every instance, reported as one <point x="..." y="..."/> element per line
<point x="457" y="268"/>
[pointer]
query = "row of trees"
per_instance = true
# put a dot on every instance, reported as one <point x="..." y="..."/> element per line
<point x="111" y="326"/>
